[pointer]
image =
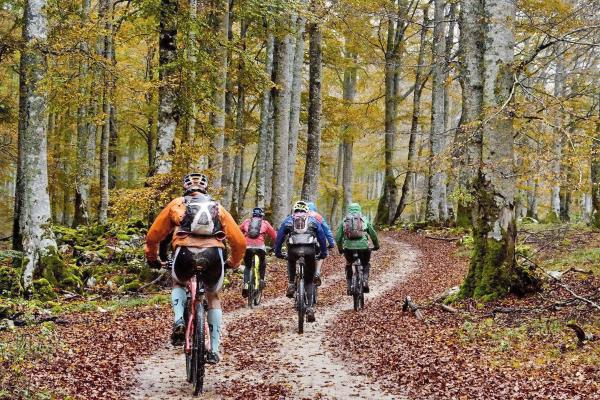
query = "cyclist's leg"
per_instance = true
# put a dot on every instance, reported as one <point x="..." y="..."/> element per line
<point x="213" y="275"/>
<point x="262" y="267"/>
<point x="247" y="264"/>
<point x="365" y="259"/>
<point x="348" y="255"/>
<point x="182" y="271"/>
<point x="291" y="265"/>
<point x="309" y="271"/>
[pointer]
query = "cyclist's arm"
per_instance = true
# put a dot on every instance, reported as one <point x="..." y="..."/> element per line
<point x="322" y="240"/>
<point x="244" y="226"/>
<point x="328" y="233"/>
<point x="339" y="236"/>
<point x="373" y="235"/>
<point x="281" y="234"/>
<point x="270" y="231"/>
<point x="235" y="237"/>
<point x="162" y="226"/>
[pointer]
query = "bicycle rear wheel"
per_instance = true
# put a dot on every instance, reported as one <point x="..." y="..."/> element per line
<point x="357" y="289"/>
<point x="198" y="350"/>
<point x="251" y="287"/>
<point x="258" y="291"/>
<point x="301" y="304"/>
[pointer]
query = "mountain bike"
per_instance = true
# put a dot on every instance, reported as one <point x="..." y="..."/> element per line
<point x="254" y="289"/>
<point x="300" y="297"/>
<point x="197" y="335"/>
<point x="357" y="285"/>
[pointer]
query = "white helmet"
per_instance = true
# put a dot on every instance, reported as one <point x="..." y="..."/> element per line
<point x="195" y="182"/>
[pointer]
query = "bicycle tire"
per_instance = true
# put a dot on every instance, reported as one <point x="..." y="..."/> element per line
<point x="189" y="365"/>
<point x="357" y="286"/>
<point x="199" y="350"/>
<point x="258" y="292"/>
<point x="361" y="296"/>
<point x="251" y="287"/>
<point x="301" y="304"/>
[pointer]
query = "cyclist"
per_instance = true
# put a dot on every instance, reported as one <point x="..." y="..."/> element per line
<point x="255" y="230"/>
<point x="199" y="226"/>
<point x="352" y="236"/>
<point x="328" y="234"/>
<point x="303" y="232"/>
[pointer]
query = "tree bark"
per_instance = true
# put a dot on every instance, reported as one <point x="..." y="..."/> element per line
<point x="595" y="173"/>
<point x="349" y="93"/>
<point x="105" y="15"/>
<point x="467" y="145"/>
<point x="168" y="115"/>
<point x="493" y="271"/>
<point x="282" y="100"/>
<point x="265" y="117"/>
<point x="217" y="118"/>
<point x="338" y="184"/>
<point x="86" y="137"/>
<point x="437" y="208"/>
<point x="297" y="68"/>
<point x="310" y="186"/>
<point x="451" y="184"/>
<point x="416" y="115"/>
<point x="32" y="206"/>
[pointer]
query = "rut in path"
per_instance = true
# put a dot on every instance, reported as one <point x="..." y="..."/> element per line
<point x="299" y="362"/>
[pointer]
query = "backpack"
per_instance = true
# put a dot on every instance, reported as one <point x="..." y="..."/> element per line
<point x="254" y="227"/>
<point x="201" y="216"/>
<point x="353" y="227"/>
<point x="301" y="233"/>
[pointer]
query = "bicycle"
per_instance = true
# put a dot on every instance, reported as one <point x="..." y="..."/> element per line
<point x="357" y="285"/>
<point x="197" y="335"/>
<point x="254" y="289"/>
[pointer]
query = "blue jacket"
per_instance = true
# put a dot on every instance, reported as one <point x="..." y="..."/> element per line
<point x="326" y="229"/>
<point x="287" y="227"/>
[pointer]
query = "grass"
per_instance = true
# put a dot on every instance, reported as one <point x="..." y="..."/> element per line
<point x="587" y="259"/>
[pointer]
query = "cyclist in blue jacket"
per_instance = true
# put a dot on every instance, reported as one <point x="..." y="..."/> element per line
<point x="303" y="233"/>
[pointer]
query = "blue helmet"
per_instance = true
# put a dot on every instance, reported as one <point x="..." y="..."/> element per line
<point x="312" y="206"/>
<point x="258" y="212"/>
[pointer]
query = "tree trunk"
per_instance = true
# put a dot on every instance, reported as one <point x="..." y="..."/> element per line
<point x="228" y="168"/>
<point x="238" y="181"/>
<point x="86" y="138"/>
<point x="559" y="85"/>
<point x="217" y="119"/>
<point x="113" y="148"/>
<point x="263" y="139"/>
<point x="310" y="186"/>
<point x="349" y="93"/>
<point x="416" y="115"/>
<point x="532" y="198"/>
<point x="297" y="68"/>
<point x="587" y="208"/>
<point x="493" y="271"/>
<point x="338" y="184"/>
<point x="279" y="201"/>
<point x="190" y="129"/>
<point x="595" y="173"/>
<point x="168" y="115"/>
<point x="149" y="96"/>
<point x="468" y="136"/>
<point x="32" y="206"/>
<point x="449" y="131"/>
<point x="437" y="208"/>
<point x="105" y="15"/>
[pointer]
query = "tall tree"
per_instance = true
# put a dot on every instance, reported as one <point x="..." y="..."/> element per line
<point x="467" y="145"/>
<point x="493" y="270"/>
<point x="32" y="232"/>
<point x="86" y="135"/>
<point x="416" y="115"/>
<point x="559" y="85"/>
<point x="217" y="118"/>
<point x="437" y="207"/>
<point x="296" y="99"/>
<point x="105" y="15"/>
<point x="265" y="124"/>
<point x="310" y="186"/>
<point x="595" y="172"/>
<point x="282" y="100"/>
<point x="168" y="115"/>
<point x="349" y="93"/>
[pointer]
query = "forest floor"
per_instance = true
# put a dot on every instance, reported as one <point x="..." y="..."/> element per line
<point x="514" y="348"/>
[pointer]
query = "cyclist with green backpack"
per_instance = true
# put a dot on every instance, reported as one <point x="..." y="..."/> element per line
<point x="255" y="230"/>
<point x="352" y="237"/>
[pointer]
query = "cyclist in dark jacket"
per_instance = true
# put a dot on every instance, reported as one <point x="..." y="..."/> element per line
<point x="350" y="243"/>
<point x="303" y="233"/>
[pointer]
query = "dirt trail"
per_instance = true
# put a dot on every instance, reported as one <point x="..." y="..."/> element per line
<point x="299" y="363"/>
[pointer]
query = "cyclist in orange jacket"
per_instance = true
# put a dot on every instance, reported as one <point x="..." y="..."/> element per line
<point x="199" y="226"/>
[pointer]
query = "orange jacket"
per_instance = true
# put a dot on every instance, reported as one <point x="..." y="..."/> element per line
<point x="170" y="218"/>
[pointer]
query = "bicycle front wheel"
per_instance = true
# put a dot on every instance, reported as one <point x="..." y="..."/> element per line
<point x="301" y="304"/>
<point x="199" y="350"/>
<point x="251" y="288"/>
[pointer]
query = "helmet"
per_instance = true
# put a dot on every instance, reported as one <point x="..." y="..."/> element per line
<point x="195" y="182"/>
<point x="258" y="212"/>
<point x="300" y="206"/>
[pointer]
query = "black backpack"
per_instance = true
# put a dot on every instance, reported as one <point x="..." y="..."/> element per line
<point x="254" y="227"/>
